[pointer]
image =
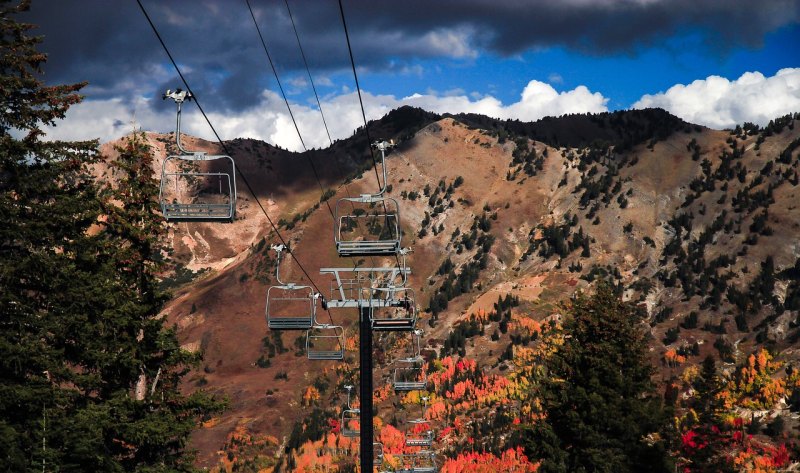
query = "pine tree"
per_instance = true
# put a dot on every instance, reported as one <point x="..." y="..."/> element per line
<point x="602" y="414"/>
<point x="47" y="202"/>
<point x="712" y="458"/>
<point x="88" y="373"/>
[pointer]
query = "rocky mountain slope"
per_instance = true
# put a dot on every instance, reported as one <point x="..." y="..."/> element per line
<point x="699" y="227"/>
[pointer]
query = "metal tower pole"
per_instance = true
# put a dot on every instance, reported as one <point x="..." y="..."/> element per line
<point x="365" y="371"/>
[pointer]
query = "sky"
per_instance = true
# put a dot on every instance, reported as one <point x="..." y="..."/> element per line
<point x="716" y="63"/>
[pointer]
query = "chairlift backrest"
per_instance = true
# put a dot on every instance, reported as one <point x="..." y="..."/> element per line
<point x="194" y="191"/>
<point x="392" y="308"/>
<point x="409" y="375"/>
<point x="289" y="306"/>
<point x="325" y="342"/>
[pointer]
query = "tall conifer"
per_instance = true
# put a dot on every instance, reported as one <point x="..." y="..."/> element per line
<point x="88" y="372"/>
<point x="601" y="412"/>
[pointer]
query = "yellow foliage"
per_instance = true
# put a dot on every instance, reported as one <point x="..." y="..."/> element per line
<point x="690" y="374"/>
<point x="310" y="396"/>
<point x="753" y="386"/>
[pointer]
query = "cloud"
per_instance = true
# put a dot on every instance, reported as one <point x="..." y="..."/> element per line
<point x="115" y="50"/>
<point x="717" y="102"/>
<point x="269" y="120"/>
<point x="324" y="81"/>
<point x="450" y="42"/>
<point x="297" y="81"/>
<point x="555" y="78"/>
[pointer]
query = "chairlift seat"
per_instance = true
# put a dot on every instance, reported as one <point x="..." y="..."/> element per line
<point x="361" y="232"/>
<point x="290" y="307"/>
<point x="349" y="416"/>
<point x="367" y="248"/>
<point x="399" y="325"/>
<point x="411" y="376"/>
<point x="425" y="440"/>
<point x="393" y="309"/>
<point x="405" y="379"/>
<point x="421" y="462"/>
<point x="325" y="342"/>
<point x="204" y="206"/>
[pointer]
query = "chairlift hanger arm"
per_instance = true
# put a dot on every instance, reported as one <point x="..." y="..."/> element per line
<point x="279" y="250"/>
<point x="382" y="146"/>
<point x="179" y="96"/>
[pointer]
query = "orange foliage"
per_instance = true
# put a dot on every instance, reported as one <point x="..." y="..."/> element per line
<point x="382" y="393"/>
<point x="242" y="445"/>
<point x="762" y="459"/>
<point x="525" y="326"/>
<point x="473" y="462"/>
<point x="351" y="343"/>
<point x="392" y="439"/>
<point x="673" y="359"/>
<point x="310" y="396"/>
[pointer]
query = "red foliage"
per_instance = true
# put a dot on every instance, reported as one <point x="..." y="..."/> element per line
<point x="473" y="462"/>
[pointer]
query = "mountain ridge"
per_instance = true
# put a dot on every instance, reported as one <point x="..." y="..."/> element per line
<point x="547" y="220"/>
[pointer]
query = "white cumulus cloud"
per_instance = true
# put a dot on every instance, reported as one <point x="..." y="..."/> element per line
<point x="717" y="102"/>
<point x="270" y="121"/>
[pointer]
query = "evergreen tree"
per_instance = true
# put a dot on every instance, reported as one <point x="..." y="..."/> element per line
<point x="47" y="203"/>
<point x="706" y="386"/>
<point x="88" y="373"/>
<point x="712" y="457"/>
<point x="601" y="413"/>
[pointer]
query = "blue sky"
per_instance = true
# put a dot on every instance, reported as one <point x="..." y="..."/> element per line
<point x="712" y="62"/>
<point x="622" y="77"/>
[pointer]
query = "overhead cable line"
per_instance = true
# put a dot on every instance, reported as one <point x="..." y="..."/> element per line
<point x="360" y="100"/>
<point x="289" y="108"/>
<point x="224" y="147"/>
<point x="311" y="81"/>
<point x="364" y="116"/>
<point x="313" y="87"/>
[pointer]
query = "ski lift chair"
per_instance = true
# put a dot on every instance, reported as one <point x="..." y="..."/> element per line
<point x="350" y="418"/>
<point x="350" y="423"/>
<point x="377" y="449"/>
<point x="410" y="374"/>
<point x="424" y="439"/>
<point x="392" y="309"/>
<point x="368" y="225"/>
<point x="325" y="342"/>
<point x="187" y="194"/>
<point x="290" y="306"/>
<point x="420" y="462"/>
